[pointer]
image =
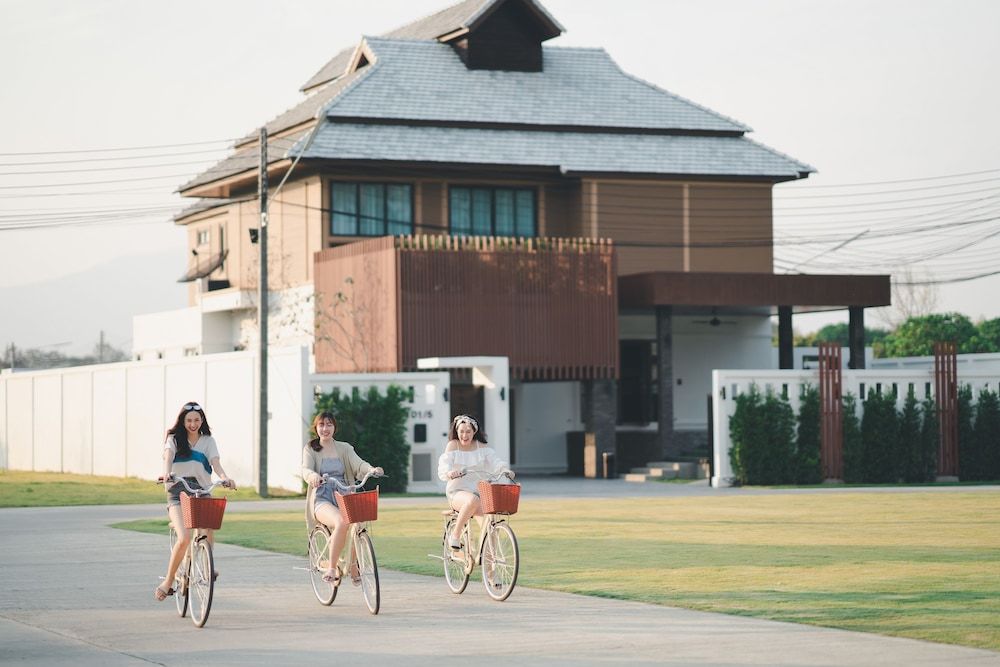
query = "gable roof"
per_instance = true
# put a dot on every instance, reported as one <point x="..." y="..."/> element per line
<point x="463" y="17"/>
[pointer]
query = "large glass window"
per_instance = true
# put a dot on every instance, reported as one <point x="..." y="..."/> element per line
<point x="485" y="211"/>
<point x="371" y="209"/>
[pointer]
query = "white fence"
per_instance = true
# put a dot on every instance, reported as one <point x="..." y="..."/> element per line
<point x="728" y="384"/>
<point x="110" y="419"/>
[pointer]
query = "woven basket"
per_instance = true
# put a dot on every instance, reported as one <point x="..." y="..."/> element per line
<point x="499" y="498"/>
<point x="202" y="512"/>
<point x="359" y="507"/>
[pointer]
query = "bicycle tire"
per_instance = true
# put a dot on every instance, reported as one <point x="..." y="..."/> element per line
<point x="368" y="569"/>
<point x="455" y="573"/>
<point x="319" y="555"/>
<point x="179" y="584"/>
<point x="200" y="581"/>
<point x="500" y="561"/>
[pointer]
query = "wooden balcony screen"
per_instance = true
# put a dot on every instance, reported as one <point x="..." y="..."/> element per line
<point x="550" y="305"/>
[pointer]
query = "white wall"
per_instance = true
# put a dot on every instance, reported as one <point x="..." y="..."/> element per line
<point x="698" y="348"/>
<point x="544" y="413"/>
<point x="111" y="419"/>
<point x="166" y="334"/>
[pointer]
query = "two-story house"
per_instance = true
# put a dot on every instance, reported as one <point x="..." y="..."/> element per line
<point x="457" y="187"/>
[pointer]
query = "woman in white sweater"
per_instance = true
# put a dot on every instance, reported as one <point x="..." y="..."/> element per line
<point x="466" y="460"/>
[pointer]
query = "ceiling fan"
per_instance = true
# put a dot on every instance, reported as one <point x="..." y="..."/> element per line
<point x="715" y="321"/>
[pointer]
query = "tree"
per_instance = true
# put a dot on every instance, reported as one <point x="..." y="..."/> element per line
<point x="911" y="297"/>
<point x="917" y="335"/>
<point x="987" y="337"/>
<point x="910" y="459"/>
<point x="807" y="445"/>
<point x="930" y="440"/>
<point x="838" y="333"/>
<point x="853" y="444"/>
<point x="879" y="438"/>
<point x="986" y="435"/>
<point x="967" y="459"/>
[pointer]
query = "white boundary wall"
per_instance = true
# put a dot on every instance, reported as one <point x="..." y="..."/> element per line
<point x="110" y="419"/>
<point x="728" y="384"/>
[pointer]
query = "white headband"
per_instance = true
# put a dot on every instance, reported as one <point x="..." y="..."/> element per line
<point x="468" y="420"/>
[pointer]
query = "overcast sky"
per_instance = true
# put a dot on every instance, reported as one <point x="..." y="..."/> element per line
<point x="896" y="103"/>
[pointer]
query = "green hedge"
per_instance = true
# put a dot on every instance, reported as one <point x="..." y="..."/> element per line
<point x="376" y="425"/>
<point x="772" y="445"/>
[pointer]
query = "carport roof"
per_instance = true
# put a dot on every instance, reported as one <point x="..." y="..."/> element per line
<point x="668" y="288"/>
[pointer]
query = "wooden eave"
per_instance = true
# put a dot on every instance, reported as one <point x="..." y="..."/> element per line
<point x="224" y="187"/>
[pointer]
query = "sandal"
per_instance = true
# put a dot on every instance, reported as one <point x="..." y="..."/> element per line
<point x="332" y="577"/>
<point x="454" y="543"/>
<point x="161" y="594"/>
<point x="355" y="578"/>
<point x="215" y="575"/>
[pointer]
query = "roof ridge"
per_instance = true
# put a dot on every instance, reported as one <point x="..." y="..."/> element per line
<point x="729" y="119"/>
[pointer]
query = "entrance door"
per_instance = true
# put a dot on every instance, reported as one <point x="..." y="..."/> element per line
<point x="467" y="399"/>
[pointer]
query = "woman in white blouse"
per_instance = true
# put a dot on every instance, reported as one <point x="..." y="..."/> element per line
<point x="466" y="460"/>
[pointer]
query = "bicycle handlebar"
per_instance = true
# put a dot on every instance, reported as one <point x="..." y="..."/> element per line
<point x="229" y="484"/>
<point x="503" y="473"/>
<point x="351" y="487"/>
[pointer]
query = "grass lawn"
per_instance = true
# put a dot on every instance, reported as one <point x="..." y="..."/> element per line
<point x="51" y="489"/>
<point x="918" y="565"/>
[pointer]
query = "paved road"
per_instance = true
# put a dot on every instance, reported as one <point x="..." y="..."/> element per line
<point x="73" y="591"/>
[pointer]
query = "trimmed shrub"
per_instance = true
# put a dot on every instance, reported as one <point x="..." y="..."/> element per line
<point x="986" y="436"/>
<point x="930" y="441"/>
<point x="879" y="438"/>
<point x="763" y="434"/>
<point x="910" y="460"/>
<point x="967" y="463"/>
<point x="376" y="426"/>
<point x="807" y="444"/>
<point x="853" y="451"/>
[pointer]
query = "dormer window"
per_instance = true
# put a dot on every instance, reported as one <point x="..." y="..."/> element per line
<point x="507" y="36"/>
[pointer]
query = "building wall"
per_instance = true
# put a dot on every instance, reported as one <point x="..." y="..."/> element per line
<point x="646" y="221"/>
<point x="544" y="413"/>
<point x="731" y="227"/>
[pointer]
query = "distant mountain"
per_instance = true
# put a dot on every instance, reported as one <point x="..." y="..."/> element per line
<point x="77" y="307"/>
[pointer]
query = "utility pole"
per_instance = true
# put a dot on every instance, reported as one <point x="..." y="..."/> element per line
<point x="100" y="349"/>
<point x="262" y="292"/>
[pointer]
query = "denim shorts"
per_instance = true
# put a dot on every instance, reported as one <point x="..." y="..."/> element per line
<point x="174" y="492"/>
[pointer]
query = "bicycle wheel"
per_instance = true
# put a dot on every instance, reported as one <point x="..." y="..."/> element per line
<point x="179" y="583"/>
<point x="368" y="569"/>
<point x="454" y="562"/>
<point x="319" y="559"/>
<point x="500" y="561"/>
<point x="200" y="581"/>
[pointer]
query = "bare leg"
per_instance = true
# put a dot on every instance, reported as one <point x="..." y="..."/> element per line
<point x="466" y="504"/>
<point x="180" y="546"/>
<point x="330" y="516"/>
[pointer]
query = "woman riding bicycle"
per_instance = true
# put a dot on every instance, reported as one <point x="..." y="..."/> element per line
<point x="466" y="460"/>
<point x="326" y="456"/>
<point x="189" y="452"/>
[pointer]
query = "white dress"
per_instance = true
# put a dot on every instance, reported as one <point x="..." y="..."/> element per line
<point x="480" y="463"/>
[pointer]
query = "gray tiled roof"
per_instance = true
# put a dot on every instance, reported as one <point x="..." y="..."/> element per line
<point x="417" y="80"/>
<point x="246" y="158"/>
<point x="568" y="151"/>
<point x="331" y="70"/>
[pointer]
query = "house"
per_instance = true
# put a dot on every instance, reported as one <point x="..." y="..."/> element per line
<point x="458" y="187"/>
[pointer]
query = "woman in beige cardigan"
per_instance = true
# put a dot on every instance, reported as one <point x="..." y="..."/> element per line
<point x="326" y="456"/>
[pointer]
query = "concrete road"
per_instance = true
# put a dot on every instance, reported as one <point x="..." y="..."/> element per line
<point x="74" y="591"/>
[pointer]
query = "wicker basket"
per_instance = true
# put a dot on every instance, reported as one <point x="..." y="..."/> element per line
<point x="205" y="512"/>
<point x="499" y="498"/>
<point x="359" y="507"/>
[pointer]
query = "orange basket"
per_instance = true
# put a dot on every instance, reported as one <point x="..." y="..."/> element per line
<point x="499" y="498"/>
<point x="359" y="507"/>
<point x="203" y="512"/>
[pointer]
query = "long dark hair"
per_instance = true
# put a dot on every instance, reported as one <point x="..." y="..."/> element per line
<point x="314" y="443"/>
<point x="478" y="433"/>
<point x="183" y="446"/>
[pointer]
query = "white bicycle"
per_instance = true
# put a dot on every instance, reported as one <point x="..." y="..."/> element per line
<point x="358" y="509"/>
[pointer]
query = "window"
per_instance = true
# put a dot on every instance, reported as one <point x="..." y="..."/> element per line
<point x="202" y="237"/>
<point x="492" y="211"/>
<point x="371" y="209"/>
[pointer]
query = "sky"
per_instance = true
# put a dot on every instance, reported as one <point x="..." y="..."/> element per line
<point x="109" y="105"/>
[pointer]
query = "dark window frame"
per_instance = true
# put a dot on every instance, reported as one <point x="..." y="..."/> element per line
<point x="384" y="218"/>
<point x="493" y="189"/>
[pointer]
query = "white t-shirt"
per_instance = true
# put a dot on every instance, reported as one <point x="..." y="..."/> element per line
<point x="199" y="464"/>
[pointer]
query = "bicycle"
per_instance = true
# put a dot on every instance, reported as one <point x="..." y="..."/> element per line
<point x="359" y="509"/>
<point x="196" y="573"/>
<point x="497" y="550"/>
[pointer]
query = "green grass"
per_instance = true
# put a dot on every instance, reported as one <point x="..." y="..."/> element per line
<point x="50" y="489"/>
<point x="918" y="565"/>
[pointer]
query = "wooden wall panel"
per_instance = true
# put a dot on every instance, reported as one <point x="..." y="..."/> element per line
<point x="731" y="228"/>
<point x="646" y="221"/>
